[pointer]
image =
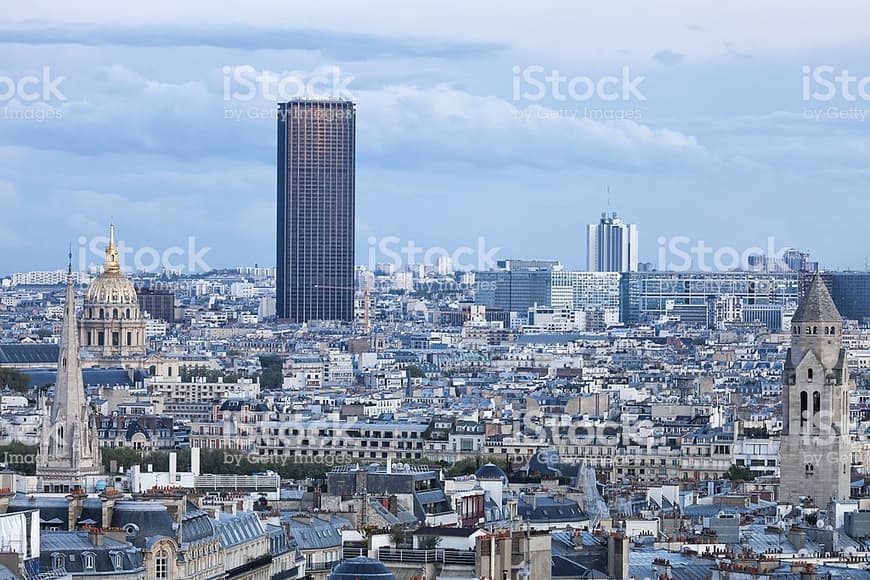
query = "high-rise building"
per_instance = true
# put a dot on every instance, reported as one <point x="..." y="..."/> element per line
<point x="158" y="303"/>
<point x="611" y="245"/>
<point x="316" y="166"/>
<point x="851" y="293"/>
<point x="815" y="450"/>
<point x="648" y="296"/>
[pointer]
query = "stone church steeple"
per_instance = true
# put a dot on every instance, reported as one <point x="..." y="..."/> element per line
<point x="815" y="451"/>
<point x="69" y="452"/>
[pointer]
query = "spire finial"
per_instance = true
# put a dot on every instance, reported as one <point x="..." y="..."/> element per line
<point x="112" y="264"/>
<point x="69" y="265"/>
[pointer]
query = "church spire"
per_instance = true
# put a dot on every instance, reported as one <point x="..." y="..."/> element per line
<point x="66" y="453"/>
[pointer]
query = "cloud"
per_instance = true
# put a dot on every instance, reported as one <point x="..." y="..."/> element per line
<point x="442" y="125"/>
<point x="668" y="58"/>
<point x="344" y="45"/>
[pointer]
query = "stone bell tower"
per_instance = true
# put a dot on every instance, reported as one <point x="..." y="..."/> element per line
<point x="815" y="453"/>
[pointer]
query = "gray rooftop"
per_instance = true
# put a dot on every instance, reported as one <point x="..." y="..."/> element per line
<point x="817" y="304"/>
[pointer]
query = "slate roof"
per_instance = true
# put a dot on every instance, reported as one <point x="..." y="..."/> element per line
<point x="12" y="354"/>
<point x="239" y="529"/>
<point x="74" y="545"/>
<point x="548" y="510"/>
<point x="314" y="534"/>
<point x="817" y="304"/>
<point x="91" y="377"/>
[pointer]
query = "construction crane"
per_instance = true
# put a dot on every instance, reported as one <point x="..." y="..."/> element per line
<point x="365" y="290"/>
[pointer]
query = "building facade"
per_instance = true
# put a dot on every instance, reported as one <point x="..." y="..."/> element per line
<point x="611" y="245"/>
<point x="648" y="296"/>
<point x="316" y="197"/>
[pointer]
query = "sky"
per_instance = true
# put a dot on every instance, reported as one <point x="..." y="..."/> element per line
<point x="484" y="130"/>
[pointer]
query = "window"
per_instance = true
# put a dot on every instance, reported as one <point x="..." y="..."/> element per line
<point x="58" y="562"/>
<point x="161" y="565"/>
<point x="810" y="375"/>
<point x="89" y="561"/>
<point x="803" y="408"/>
<point x="115" y="313"/>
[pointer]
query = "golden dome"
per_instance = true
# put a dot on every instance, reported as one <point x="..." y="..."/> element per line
<point x="111" y="287"/>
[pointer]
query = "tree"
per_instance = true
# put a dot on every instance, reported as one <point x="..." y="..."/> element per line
<point x="19" y="457"/>
<point x="415" y="372"/>
<point x="739" y="472"/>
<point x="470" y="465"/>
<point x="272" y="376"/>
<point x="430" y="542"/>
<point x="15" y="380"/>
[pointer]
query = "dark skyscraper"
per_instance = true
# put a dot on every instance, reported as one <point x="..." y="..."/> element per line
<point x="316" y="155"/>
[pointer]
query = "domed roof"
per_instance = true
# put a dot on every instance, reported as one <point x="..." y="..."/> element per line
<point x="111" y="287"/>
<point x="491" y="472"/>
<point x="361" y="568"/>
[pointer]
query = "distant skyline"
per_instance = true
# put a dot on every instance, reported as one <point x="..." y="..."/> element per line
<point x="704" y="120"/>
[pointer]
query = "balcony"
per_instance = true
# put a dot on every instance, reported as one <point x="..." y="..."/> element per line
<point x="438" y="556"/>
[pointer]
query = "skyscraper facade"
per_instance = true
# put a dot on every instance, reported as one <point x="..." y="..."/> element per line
<point x="611" y="245"/>
<point x="316" y="167"/>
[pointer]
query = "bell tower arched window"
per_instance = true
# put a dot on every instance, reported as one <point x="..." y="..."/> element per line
<point x="803" y="408"/>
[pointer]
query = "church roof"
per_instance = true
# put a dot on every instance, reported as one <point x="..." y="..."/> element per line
<point x="12" y="354"/>
<point x="817" y="304"/>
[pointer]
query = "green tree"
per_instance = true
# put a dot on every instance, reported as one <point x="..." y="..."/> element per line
<point x="739" y="472"/>
<point x="470" y="465"/>
<point x="430" y="542"/>
<point x="415" y="372"/>
<point x="19" y="457"/>
<point x="15" y="380"/>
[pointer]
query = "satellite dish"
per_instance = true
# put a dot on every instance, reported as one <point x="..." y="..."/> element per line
<point x="820" y="524"/>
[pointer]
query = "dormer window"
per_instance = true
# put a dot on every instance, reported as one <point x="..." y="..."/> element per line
<point x="58" y="562"/>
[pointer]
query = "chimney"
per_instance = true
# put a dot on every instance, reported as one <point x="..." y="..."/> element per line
<point x="194" y="460"/>
<point x="96" y="536"/>
<point x="173" y="467"/>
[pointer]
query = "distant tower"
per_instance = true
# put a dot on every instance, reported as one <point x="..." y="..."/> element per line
<point x="69" y="451"/>
<point x="815" y="449"/>
<point x="611" y="245"/>
<point x="316" y="209"/>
